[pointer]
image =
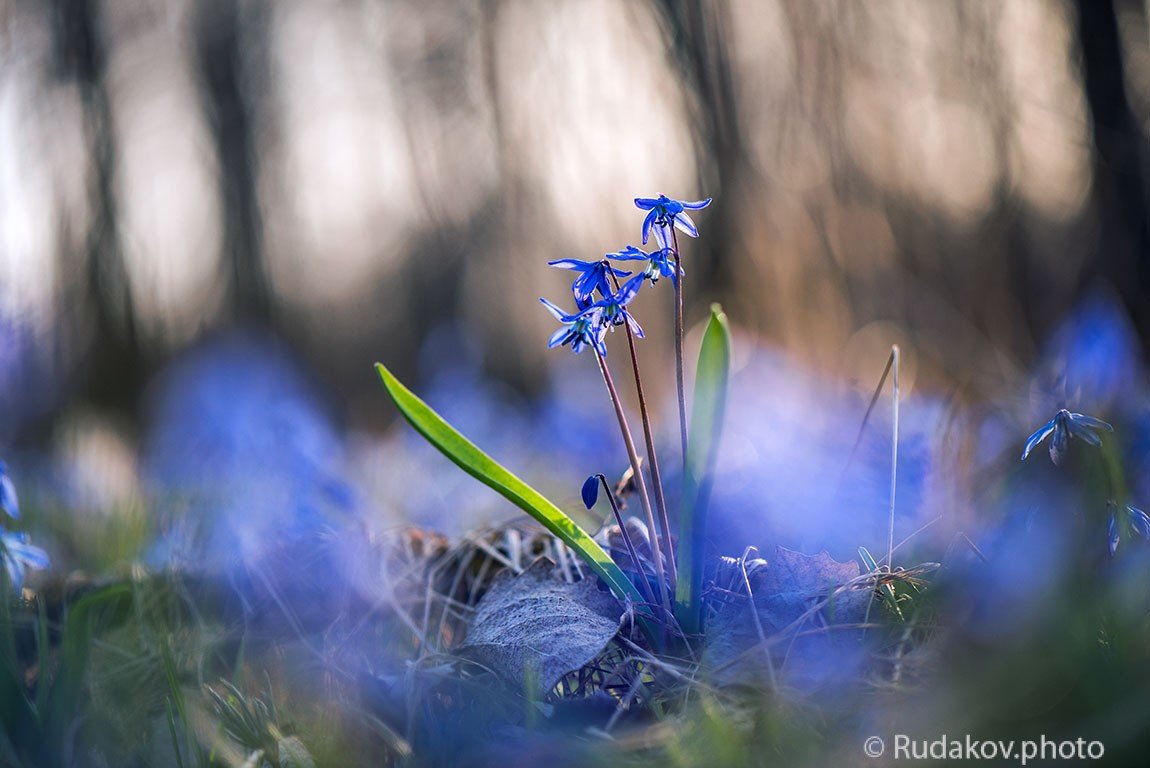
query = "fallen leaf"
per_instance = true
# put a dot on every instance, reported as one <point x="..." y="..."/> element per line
<point x="535" y="627"/>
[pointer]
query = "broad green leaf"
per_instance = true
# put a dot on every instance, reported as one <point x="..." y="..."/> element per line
<point x="482" y="467"/>
<point x="707" y="410"/>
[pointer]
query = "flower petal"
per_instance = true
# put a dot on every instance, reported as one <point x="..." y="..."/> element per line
<point x="15" y="571"/>
<point x="560" y="315"/>
<point x="30" y="556"/>
<point x="630" y="253"/>
<point x="647" y="222"/>
<point x="634" y="324"/>
<point x="1112" y="534"/>
<point x="684" y="224"/>
<point x="1090" y="421"/>
<point x="696" y="205"/>
<point x="558" y="338"/>
<point x="578" y="264"/>
<point x="628" y="292"/>
<point x="1140" y="522"/>
<point x="645" y="203"/>
<point x="9" y="502"/>
<point x="1039" y="435"/>
<point x="1082" y="432"/>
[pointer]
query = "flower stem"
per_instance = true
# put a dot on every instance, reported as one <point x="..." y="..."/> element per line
<point x="894" y="354"/>
<point x="663" y="539"/>
<point x="631" y="552"/>
<point x="678" y="281"/>
<point x="637" y="471"/>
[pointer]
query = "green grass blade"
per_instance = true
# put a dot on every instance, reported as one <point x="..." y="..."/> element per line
<point x="482" y="467"/>
<point x="707" y="410"/>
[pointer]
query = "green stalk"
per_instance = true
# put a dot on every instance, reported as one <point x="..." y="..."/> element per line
<point x="707" y="412"/>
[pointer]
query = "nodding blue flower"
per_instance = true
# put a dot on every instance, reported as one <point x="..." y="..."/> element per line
<point x="1139" y="522"/>
<point x="663" y="213"/>
<point x="1127" y="518"/>
<point x="585" y="328"/>
<point x="590" y="491"/>
<point x="1064" y="426"/>
<point x="18" y="556"/>
<point x="593" y="276"/>
<point x="660" y="263"/>
<point x="614" y="307"/>
<point x="8" y="501"/>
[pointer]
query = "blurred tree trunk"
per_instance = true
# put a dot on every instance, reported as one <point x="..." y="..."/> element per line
<point x="99" y="311"/>
<point x="231" y="46"/>
<point x="1119" y="156"/>
<point x="699" y="39"/>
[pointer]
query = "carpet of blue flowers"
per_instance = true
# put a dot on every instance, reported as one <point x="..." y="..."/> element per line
<point x="784" y="570"/>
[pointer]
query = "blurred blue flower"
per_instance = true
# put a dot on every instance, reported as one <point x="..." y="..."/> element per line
<point x="663" y="213"/>
<point x="585" y="328"/>
<point x="593" y="276"/>
<point x="238" y="434"/>
<point x="8" y="501"/>
<point x="1112" y="534"/>
<point x="1128" y="517"/>
<point x="18" y="556"/>
<point x="1064" y="426"/>
<point x="660" y="263"/>
<point x="614" y="307"/>
<point x="1139" y="522"/>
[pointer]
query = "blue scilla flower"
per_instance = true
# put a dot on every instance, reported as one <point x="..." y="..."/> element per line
<point x="1127" y="518"/>
<point x="614" y="307"/>
<point x="585" y="328"/>
<point x="593" y="276"/>
<point x="9" y="504"/>
<point x="664" y="213"/>
<point x="660" y="263"/>
<point x="1064" y="426"/>
<point x="18" y="556"/>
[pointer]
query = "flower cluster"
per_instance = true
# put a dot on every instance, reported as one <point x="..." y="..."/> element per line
<point x="600" y="300"/>
<point x="1124" y="521"/>
<point x="18" y="555"/>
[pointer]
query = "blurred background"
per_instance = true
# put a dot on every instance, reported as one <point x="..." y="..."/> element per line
<point x="215" y="215"/>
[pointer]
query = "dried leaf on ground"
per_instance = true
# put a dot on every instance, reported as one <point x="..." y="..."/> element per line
<point x="535" y="627"/>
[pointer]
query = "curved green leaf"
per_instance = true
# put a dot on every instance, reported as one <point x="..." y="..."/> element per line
<point x="707" y="410"/>
<point x="482" y="467"/>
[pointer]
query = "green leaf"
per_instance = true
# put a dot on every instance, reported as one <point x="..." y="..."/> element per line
<point x="708" y="407"/>
<point x="482" y="467"/>
<point x="110" y="606"/>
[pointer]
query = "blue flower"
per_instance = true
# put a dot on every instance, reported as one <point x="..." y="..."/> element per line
<point x="614" y="307"/>
<point x="1064" y="426"/>
<point x="593" y="276"/>
<point x="660" y="263"/>
<point x="1128" y="518"/>
<point x="1112" y="533"/>
<point x="663" y="213"/>
<point x="585" y="328"/>
<point x="1139" y="522"/>
<point x="18" y="556"/>
<point x="8" y="501"/>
